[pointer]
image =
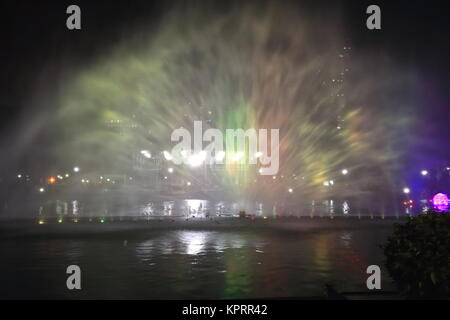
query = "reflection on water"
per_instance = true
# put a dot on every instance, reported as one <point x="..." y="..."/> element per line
<point x="193" y="241"/>
<point x="183" y="264"/>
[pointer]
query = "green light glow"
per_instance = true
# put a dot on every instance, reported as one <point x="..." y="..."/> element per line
<point x="244" y="69"/>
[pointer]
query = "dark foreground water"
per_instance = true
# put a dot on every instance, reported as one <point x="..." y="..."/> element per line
<point x="183" y="263"/>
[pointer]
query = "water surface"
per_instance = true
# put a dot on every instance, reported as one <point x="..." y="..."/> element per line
<point x="192" y="264"/>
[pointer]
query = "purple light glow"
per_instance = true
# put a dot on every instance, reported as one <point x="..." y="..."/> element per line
<point x="440" y="201"/>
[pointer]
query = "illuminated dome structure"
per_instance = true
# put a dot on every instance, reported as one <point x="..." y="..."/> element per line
<point x="440" y="201"/>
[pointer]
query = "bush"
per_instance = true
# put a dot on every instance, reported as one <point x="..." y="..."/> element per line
<point x="418" y="256"/>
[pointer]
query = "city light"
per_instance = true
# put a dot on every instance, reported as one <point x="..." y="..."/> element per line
<point x="238" y="156"/>
<point x="76" y="169"/>
<point x="167" y="155"/>
<point x="184" y="153"/>
<point x="344" y="172"/>
<point x="146" y="154"/>
<point x="290" y="190"/>
<point x="19" y="176"/>
<point x="424" y="172"/>
<point x="67" y="175"/>
<point x="51" y="180"/>
<point x="170" y="170"/>
<point x="220" y="156"/>
<point x="41" y="190"/>
<point x="406" y="190"/>
<point x="188" y="183"/>
<point x="197" y="160"/>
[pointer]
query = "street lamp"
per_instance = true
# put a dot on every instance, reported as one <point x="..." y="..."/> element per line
<point x="424" y="172"/>
<point x="344" y="171"/>
<point x="76" y="169"/>
<point x="406" y="190"/>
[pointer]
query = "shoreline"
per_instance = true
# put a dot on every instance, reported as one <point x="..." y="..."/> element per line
<point x="86" y="228"/>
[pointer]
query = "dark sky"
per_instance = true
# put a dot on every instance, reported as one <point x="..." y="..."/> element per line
<point x="34" y="34"/>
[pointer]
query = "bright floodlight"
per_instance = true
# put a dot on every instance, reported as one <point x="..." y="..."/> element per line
<point x="170" y="170"/>
<point x="424" y="172"/>
<point x="290" y="190"/>
<point x="238" y="156"/>
<point x="344" y="171"/>
<point x="41" y="189"/>
<point x="220" y="156"/>
<point x="76" y="169"/>
<point x="406" y="190"/>
<point x="167" y="155"/>
<point x="184" y="153"/>
<point x="146" y="154"/>
<point x="196" y="160"/>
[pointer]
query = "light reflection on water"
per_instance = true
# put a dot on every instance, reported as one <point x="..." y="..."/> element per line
<point x="180" y="264"/>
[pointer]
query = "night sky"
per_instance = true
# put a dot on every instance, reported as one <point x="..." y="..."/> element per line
<point x="37" y="49"/>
